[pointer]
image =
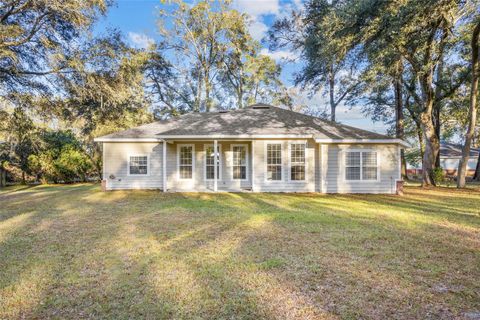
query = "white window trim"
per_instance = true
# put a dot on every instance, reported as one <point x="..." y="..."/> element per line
<point x="290" y="161"/>
<point x="265" y="175"/>
<point x="344" y="165"/>
<point x="138" y="174"/>
<point x="246" y="160"/>
<point x="220" y="162"/>
<point x="178" y="161"/>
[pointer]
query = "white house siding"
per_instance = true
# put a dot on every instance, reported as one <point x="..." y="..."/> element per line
<point x="451" y="164"/>
<point x="198" y="183"/>
<point x="324" y="168"/>
<point x="115" y="165"/>
<point x="261" y="184"/>
<point x="334" y="174"/>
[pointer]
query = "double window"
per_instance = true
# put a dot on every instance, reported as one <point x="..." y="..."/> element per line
<point x="361" y="165"/>
<point x="138" y="165"/>
<point x="297" y="161"/>
<point x="185" y="161"/>
<point x="274" y="161"/>
<point x="210" y="162"/>
<point x="239" y="162"/>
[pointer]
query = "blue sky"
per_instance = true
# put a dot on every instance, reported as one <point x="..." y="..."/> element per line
<point x="137" y="20"/>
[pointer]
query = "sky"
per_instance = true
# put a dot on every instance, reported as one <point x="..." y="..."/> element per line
<point x="137" y="20"/>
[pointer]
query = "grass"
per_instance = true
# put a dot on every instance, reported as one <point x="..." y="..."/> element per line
<point x="75" y="252"/>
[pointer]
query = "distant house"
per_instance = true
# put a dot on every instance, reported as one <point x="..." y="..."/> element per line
<point x="260" y="148"/>
<point x="450" y="155"/>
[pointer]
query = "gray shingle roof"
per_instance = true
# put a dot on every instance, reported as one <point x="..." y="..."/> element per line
<point x="255" y="120"/>
<point x="450" y="150"/>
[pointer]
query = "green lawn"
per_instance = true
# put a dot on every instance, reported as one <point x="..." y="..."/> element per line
<point x="75" y="252"/>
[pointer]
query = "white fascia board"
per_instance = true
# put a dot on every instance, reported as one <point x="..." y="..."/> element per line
<point x="100" y="139"/>
<point x="206" y="137"/>
<point x="366" y="141"/>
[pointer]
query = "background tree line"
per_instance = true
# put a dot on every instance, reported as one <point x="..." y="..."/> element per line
<point x="412" y="64"/>
<point x="61" y="85"/>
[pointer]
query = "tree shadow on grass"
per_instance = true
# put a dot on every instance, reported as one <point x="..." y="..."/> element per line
<point x="356" y="248"/>
<point x="152" y="255"/>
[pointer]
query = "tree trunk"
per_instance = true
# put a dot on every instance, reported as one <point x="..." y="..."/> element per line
<point x="240" y="99"/>
<point x="333" y="106"/>
<point x="476" y="176"/>
<point x="437" y="107"/>
<point x="432" y="143"/>
<point x="399" y="118"/>
<point x="472" y="112"/>
<point x="3" y="177"/>
<point x="198" y="97"/>
<point x="208" y="102"/>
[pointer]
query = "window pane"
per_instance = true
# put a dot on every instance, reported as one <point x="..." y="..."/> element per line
<point x="210" y="172"/>
<point x="186" y="155"/>
<point x="297" y="173"/>
<point x="138" y="165"/>
<point x="209" y="161"/>
<point x="369" y="173"/>
<point x="185" y="162"/>
<point x="352" y="173"/>
<point x="274" y="161"/>
<point x="274" y="153"/>
<point x="239" y="156"/>
<point x="274" y="172"/>
<point x="185" y="172"/>
<point x="369" y="159"/>
<point x="297" y="153"/>
<point x="240" y="172"/>
<point x="353" y="159"/>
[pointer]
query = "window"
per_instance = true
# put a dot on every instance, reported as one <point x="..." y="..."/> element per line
<point x="209" y="162"/>
<point x="239" y="157"/>
<point x="185" y="161"/>
<point x="297" y="161"/>
<point x="274" y="161"/>
<point x="138" y="165"/>
<point x="361" y="165"/>
<point x="369" y="165"/>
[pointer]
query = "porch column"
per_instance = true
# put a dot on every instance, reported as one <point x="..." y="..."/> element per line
<point x="164" y="166"/>
<point x="253" y="164"/>
<point x="215" y="162"/>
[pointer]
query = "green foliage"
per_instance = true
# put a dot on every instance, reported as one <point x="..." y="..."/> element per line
<point x="413" y="156"/>
<point x="73" y="164"/>
<point x="61" y="159"/>
<point x="438" y="175"/>
<point x="217" y="61"/>
<point x="38" y="38"/>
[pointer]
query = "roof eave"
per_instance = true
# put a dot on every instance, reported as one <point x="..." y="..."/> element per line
<point x="365" y="141"/>
<point x="207" y="137"/>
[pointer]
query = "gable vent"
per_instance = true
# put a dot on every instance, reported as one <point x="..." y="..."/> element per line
<point x="260" y="107"/>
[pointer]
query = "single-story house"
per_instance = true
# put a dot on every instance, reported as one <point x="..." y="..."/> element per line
<point x="450" y="155"/>
<point x="260" y="148"/>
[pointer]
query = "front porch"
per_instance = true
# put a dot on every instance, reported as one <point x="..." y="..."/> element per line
<point x="189" y="165"/>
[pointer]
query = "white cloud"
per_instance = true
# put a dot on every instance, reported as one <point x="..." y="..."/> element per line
<point x="280" y="55"/>
<point x="257" y="8"/>
<point x="257" y="30"/>
<point x="298" y="3"/>
<point x="140" y="40"/>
